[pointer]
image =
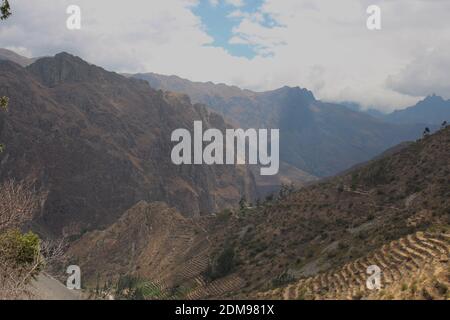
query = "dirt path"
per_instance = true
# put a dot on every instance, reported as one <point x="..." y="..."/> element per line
<point x="45" y="287"/>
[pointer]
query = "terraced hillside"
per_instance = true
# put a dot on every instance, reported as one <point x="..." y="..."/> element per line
<point x="415" y="266"/>
<point x="218" y="288"/>
<point x="378" y="207"/>
<point x="151" y="240"/>
<point x="312" y="243"/>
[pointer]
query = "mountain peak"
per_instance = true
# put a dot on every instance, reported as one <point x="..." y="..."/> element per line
<point x="433" y="98"/>
<point x="432" y="110"/>
<point x="65" y="67"/>
<point x="65" y="56"/>
<point x="295" y="92"/>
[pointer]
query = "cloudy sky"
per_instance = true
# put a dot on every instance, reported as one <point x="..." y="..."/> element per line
<point x="323" y="45"/>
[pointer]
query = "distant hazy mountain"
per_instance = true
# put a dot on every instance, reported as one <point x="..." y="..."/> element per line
<point x="433" y="110"/>
<point x="96" y="143"/>
<point x="319" y="138"/>
<point x="357" y="107"/>
<point x="6" y="54"/>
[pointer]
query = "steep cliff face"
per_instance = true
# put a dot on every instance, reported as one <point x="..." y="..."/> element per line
<point x="98" y="142"/>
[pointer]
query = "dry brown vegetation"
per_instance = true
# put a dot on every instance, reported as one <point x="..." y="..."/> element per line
<point x="376" y="213"/>
<point x="17" y="204"/>
<point x="323" y="227"/>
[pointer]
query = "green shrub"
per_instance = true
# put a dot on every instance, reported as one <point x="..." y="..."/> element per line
<point x="18" y="248"/>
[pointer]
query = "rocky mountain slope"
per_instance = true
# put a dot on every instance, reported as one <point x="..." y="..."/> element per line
<point x="96" y="143"/>
<point x="314" y="243"/>
<point x="319" y="138"/>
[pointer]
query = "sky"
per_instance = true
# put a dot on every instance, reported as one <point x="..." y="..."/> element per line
<point x="322" y="45"/>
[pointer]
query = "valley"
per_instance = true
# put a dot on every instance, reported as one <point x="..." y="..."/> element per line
<point x="313" y="243"/>
<point x="229" y="150"/>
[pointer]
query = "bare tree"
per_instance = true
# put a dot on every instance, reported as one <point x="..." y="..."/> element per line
<point x="15" y="280"/>
<point x="17" y="204"/>
<point x="54" y="250"/>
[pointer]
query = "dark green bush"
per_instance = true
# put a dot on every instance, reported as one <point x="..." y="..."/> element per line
<point x="222" y="265"/>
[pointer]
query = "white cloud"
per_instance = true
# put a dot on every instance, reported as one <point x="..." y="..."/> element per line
<point x="323" y="45"/>
<point x="20" y="50"/>
<point x="428" y="73"/>
<point x="236" y="3"/>
<point x="214" y="3"/>
<point x="331" y="36"/>
<point x="253" y="31"/>
<point x="237" y="14"/>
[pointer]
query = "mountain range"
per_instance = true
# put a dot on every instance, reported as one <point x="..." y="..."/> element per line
<point x="432" y="111"/>
<point x="121" y="119"/>
<point x="316" y="137"/>
<point x="95" y="143"/>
